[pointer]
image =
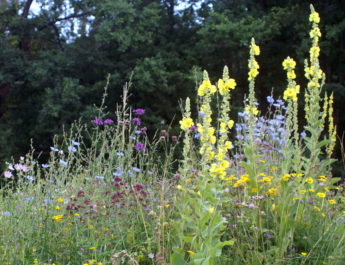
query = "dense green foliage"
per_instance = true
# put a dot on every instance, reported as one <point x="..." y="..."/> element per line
<point x="54" y="58"/>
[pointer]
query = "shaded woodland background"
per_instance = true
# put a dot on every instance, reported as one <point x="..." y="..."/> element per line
<point x="55" y="56"/>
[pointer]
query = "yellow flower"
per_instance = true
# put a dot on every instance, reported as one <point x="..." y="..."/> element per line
<point x="311" y="190"/>
<point x="332" y="201"/>
<point x="230" y="84"/>
<point x="291" y="75"/>
<point x="323" y="215"/>
<point x="302" y="192"/>
<point x="272" y="191"/>
<point x="91" y="226"/>
<point x="92" y="248"/>
<point x="228" y="145"/>
<point x="255" y="49"/>
<point x="57" y="217"/>
<point x="303" y="254"/>
<point x="224" y="164"/>
<point x="314" y="17"/>
<point x="191" y="252"/>
<point x="289" y="63"/>
<point x="33" y="250"/>
<point x="315" y="33"/>
<point x="57" y="208"/>
<point x="76" y="214"/>
<point x="167" y="205"/>
<point x="315" y="51"/>
<point x="309" y="180"/>
<point x="60" y="200"/>
<point x="252" y="74"/>
<point x="186" y="123"/>
<point x="179" y="187"/>
<point x="321" y="194"/>
<point x="316" y="208"/>
<point x="286" y="177"/>
<point x="211" y="210"/>
<point x="230" y="124"/>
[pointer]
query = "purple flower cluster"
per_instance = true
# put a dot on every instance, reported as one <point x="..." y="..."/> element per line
<point x="139" y="112"/>
<point x="139" y="147"/>
<point x="100" y="122"/>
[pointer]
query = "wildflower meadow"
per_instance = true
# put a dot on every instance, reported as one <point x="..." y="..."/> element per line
<point x="256" y="190"/>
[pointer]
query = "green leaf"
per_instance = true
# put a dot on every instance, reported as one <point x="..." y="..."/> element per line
<point x="177" y="259"/>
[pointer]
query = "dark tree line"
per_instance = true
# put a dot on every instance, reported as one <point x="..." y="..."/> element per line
<point x="55" y="55"/>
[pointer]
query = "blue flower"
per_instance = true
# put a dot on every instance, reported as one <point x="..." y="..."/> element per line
<point x="47" y="201"/>
<point x="133" y="137"/>
<point x="45" y="165"/>
<point x="72" y="149"/>
<point x="75" y="143"/>
<point x="99" y="177"/>
<point x="54" y="149"/>
<point x="64" y="163"/>
<point x="197" y="136"/>
<point x="136" y="169"/>
<point x="270" y="99"/>
<point x="149" y="172"/>
<point x="120" y="154"/>
<point x="303" y="134"/>
<point x="138" y="132"/>
<point x="28" y="199"/>
<point x="8" y="214"/>
<point x="30" y="178"/>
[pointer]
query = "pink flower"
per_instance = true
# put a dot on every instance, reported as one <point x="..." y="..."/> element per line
<point x="8" y="174"/>
<point x="151" y="256"/>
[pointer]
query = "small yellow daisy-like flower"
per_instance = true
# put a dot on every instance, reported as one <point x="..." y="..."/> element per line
<point x="211" y="210"/>
<point x="33" y="250"/>
<point x="289" y="63"/>
<point x="323" y="215"/>
<point x="60" y="200"/>
<point x="91" y="226"/>
<point x="272" y="191"/>
<point x="167" y="205"/>
<point x="262" y="161"/>
<point x="309" y="180"/>
<point x="99" y="263"/>
<point x="332" y="201"/>
<point x="57" y="217"/>
<point x="179" y="187"/>
<point x="286" y="177"/>
<point x="92" y="248"/>
<point x="76" y="214"/>
<point x="311" y="190"/>
<point x="303" y="254"/>
<point x="57" y="208"/>
<point x="191" y="252"/>
<point x="321" y="194"/>
<point x="302" y="192"/>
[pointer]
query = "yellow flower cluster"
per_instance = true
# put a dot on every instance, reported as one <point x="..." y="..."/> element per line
<point x="314" y="17"/>
<point x="253" y="110"/>
<point x="186" y="123"/>
<point x="292" y="90"/>
<point x="206" y="87"/>
<point x="253" y="65"/>
<point x="224" y="87"/>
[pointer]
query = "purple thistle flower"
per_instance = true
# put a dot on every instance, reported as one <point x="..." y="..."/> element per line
<point x="136" y="121"/>
<point x="98" y="122"/>
<point x="109" y="121"/>
<point x="139" y="112"/>
<point x="139" y="146"/>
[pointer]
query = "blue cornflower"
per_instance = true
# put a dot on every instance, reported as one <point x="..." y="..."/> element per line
<point x="47" y="201"/>
<point x="64" y="163"/>
<point x="72" y="149"/>
<point x="120" y="154"/>
<point x="75" y="143"/>
<point x="30" y="178"/>
<point x="135" y="169"/>
<point x="197" y="136"/>
<point x="270" y="99"/>
<point x="303" y="134"/>
<point x="138" y="132"/>
<point x="149" y="172"/>
<point x="8" y="213"/>
<point x="28" y="199"/>
<point x="54" y="149"/>
<point x="45" y="165"/>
